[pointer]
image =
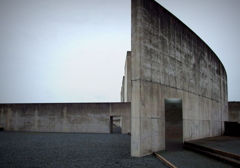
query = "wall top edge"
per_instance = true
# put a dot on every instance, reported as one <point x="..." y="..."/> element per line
<point x="141" y="4"/>
<point x="66" y="103"/>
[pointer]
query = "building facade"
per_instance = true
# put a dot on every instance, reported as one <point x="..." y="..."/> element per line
<point x="178" y="84"/>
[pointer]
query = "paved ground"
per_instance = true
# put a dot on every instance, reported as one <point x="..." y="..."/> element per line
<point x="32" y="150"/>
<point x="188" y="159"/>
<point x="185" y="158"/>
<point x="224" y="143"/>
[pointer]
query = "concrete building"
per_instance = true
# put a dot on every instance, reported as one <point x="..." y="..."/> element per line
<point x="174" y="90"/>
<point x="178" y="85"/>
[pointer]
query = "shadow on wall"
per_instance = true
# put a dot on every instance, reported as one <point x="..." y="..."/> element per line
<point x="173" y="124"/>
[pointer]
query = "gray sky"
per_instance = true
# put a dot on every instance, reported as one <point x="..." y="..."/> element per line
<point x="74" y="50"/>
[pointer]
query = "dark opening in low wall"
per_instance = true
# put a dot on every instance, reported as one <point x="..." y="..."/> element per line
<point x="232" y="128"/>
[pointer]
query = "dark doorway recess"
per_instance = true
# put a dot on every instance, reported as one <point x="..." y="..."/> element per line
<point x="115" y="124"/>
<point x="173" y="124"/>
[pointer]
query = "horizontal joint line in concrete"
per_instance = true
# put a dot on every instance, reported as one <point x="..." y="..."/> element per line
<point x="172" y="55"/>
<point x="136" y="79"/>
<point x="145" y="118"/>
<point x="203" y="120"/>
<point x="155" y="118"/>
<point x="143" y="80"/>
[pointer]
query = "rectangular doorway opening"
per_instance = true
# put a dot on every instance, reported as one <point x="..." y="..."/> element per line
<point x="173" y="124"/>
<point x="115" y="124"/>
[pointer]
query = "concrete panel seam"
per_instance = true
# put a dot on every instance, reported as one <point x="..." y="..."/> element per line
<point x="143" y="80"/>
<point x="169" y="164"/>
<point x="155" y="118"/>
<point x="146" y="118"/>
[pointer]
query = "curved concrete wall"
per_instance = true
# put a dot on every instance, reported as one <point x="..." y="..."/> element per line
<point x="170" y="61"/>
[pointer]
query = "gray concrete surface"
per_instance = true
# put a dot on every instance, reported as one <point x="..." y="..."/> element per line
<point x="36" y="150"/>
<point x="170" y="61"/>
<point x="64" y="117"/>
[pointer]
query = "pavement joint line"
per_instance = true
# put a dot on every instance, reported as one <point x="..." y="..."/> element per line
<point x="169" y="164"/>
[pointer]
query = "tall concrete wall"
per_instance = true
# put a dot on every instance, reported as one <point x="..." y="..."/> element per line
<point x="64" y="117"/>
<point x="234" y="111"/>
<point x="127" y="82"/>
<point x="170" y="61"/>
<point x="122" y="89"/>
<point x="126" y="89"/>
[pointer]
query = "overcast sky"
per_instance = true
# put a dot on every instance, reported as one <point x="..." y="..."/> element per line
<point x="74" y="50"/>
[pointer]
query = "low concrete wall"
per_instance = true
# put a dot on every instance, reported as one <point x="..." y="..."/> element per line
<point x="234" y="111"/>
<point x="64" y="117"/>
